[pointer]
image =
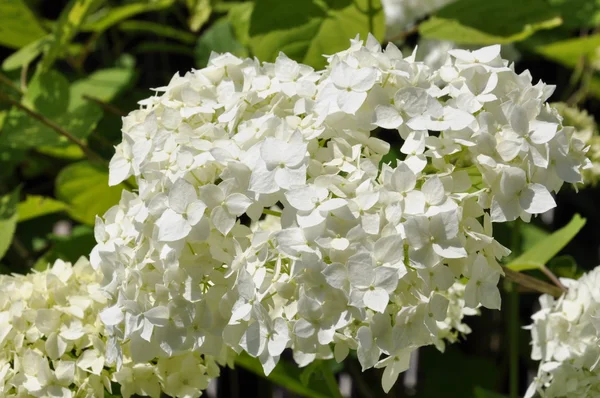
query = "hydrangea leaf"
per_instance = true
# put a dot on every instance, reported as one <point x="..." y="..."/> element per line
<point x="490" y="22"/>
<point x="103" y="20"/>
<point x="8" y="219"/>
<point x="36" y="206"/>
<point x="26" y="54"/>
<point x="569" y="52"/>
<point x="543" y="251"/>
<point x="65" y="29"/>
<point x="18" y="25"/>
<point x="85" y="188"/>
<point x="578" y="13"/>
<point x="218" y="38"/>
<point x="49" y="94"/>
<point x="306" y="30"/>
<point x="103" y="84"/>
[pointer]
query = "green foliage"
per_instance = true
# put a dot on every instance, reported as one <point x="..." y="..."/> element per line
<point x="158" y="29"/>
<point x="306" y="30"/>
<point x="218" y="38"/>
<point x="36" y="206"/>
<point x="569" y="52"/>
<point x="481" y="393"/>
<point x="538" y="255"/>
<point x="490" y="22"/>
<point x="26" y="54"/>
<point x="8" y="219"/>
<point x="578" y="13"/>
<point x="68" y="24"/>
<point x="68" y="248"/>
<point x="85" y="188"/>
<point x="103" y="84"/>
<point x="200" y="11"/>
<point x="51" y="96"/>
<point x="286" y="375"/>
<point x="18" y="25"/>
<point x="104" y="19"/>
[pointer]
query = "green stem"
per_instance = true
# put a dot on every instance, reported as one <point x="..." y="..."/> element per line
<point x="92" y="156"/>
<point x="272" y="212"/>
<point x="330" y="380"/>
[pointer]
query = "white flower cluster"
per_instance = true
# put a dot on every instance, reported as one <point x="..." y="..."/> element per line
<point x="360" y="255"/>
<point x="566" y="339"/>
<point x="53" y="344"/>
<point x="400" y="15"/>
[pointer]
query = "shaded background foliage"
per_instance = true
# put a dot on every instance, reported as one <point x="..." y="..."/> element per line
<point x="71" y="69"/>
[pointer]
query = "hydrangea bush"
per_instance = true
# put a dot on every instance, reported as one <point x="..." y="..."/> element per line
<point x="566" y="340"/>
<point x="266" y="220"/>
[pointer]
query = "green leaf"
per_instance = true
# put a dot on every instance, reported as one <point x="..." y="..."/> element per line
<point x="103" y="84"/>
<point x="20" y="131"/>
<point x="26" y="54"/>
<point x="85" y="188"/>
<point x="158" y="29"/>
<point x="306" y="30"/>
<point x="70" y="152"/>
<point x="569" y="52"/>
<point x="565" y="267"/>
<point x="578" y="13"/>
<point x="239" y="17"/>
<point x="481" y="393"/>
<point x="48" y="94"/>
<point x="218" y="38"/>
<point x="200" y="11"/>
<point x="68" y="25"/>
<point x="104" y="19"/>
<point x="18" y="25"/>
<point x="36" y="206"/>
<point x="490" y="21"/>
<point x="538" y="255"/>
<point x="285" y="375"/>
<point x="8" y="219"/>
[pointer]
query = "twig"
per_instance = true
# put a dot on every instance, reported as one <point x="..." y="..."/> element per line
<point x="532" y="283"/>
<point x="553" y="278"/>
<point x="108" y="107"/>
<point x="24" y="71"/>
<point x="92" y="156"/>
<point x="6" y="81"/>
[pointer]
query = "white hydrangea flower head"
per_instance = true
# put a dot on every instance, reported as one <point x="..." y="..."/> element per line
<point x="53" y="343"/>
<point x="566" y="340"/>
<point x="353" y="254"/>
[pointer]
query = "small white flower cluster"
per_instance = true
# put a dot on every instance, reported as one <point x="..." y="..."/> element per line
<point x="400" y="15"/>
<point x="566" y="339"/>
<point x="53" y="344"/>
<point x="360" y="255"/>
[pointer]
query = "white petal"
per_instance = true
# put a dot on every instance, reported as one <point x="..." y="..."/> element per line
<point x="237" y="204"/>
<point x="181" y="194"/>
<point x="376" y="299"/>
<point x="222" y="220"/>
<point x="536" y="199"/>
<point x="387" y="117"/>
<point x="172" y="226"/>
